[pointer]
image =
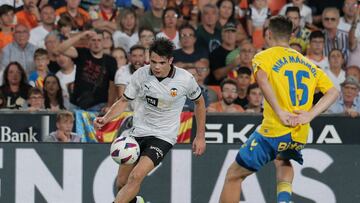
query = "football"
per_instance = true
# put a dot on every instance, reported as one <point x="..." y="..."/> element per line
<point x="125" y="150"/>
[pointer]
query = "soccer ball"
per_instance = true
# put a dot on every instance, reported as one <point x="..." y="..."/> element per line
<point x="125" y="150"/>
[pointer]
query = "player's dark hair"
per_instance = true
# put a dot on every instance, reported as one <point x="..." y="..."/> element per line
<point x="316" y="34"/>
<point x="162" y="47"/>
<point x="228" y="81"/>
<point x="281" y="27"/>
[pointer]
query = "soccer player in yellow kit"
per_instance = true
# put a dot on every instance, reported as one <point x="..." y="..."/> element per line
<point x="288" y="81"/>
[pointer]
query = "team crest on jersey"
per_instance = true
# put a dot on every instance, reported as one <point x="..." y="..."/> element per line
<point x="173" y="92"/>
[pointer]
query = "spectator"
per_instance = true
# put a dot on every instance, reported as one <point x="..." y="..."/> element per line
<point x="146" y="38"/>
<point x="305" y="12"/>
<point x="36" y="78"/>
<point x="52" y="41"/>
<point x="318" y="6"/>
<point x="227" y="14"/>
<point x="15" y="88"/>
<point x="188" y="55"/>
<point x="64" y="125"/>
<point x="316" y="50"/>
<point x="300" y="33"/>
<point x="94" y="81"/>
<point x="336" y="65"/>
<point x="38" y="34"/>
<point x="194" y="17"/>
<point x="255" y="98"/>
<point x="353" y="71"/>
<point x="256" y="18"/>
<point x="64" y="27"/>
<point x="153" y="18"/>
<point x="335" y="38"/>
<point x="218" y="68"/>
<point x="169" y="29"/>
<point x="203" y="70"/>
<point x="18" y="4"/>
<point x="349" y="100"/>
<point x="54" y="100"/>
<point x="229" y="94"/>
<point x="2" y="101"/>
<point x="105" y="16"/>
<point x="6" y="25"/>
<point x="29" y="15"/>
<point x="20" y="50"/>
<point x="243" y="81"/>
<point x="120" y="56"/>
<point x="123" y="74"/>
<point x="208" y="34"/>
<point x="66" y="76"/>
<point x="349" y="21"/>
<point x="35" y="100"/>
<point x="127" y="35"/>
<point x="108" y="43"/>
<point x="79" y="17"/>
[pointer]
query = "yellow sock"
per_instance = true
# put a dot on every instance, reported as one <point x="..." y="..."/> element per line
<point x="284" y="192"/>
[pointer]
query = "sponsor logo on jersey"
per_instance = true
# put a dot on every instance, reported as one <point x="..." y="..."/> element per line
<point x="152" y="101"/>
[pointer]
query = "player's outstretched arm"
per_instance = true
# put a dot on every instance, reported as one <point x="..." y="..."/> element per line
<point x="286" y="118"/>
<point x="330" y="96"/>
<point x="116" y="109"/>
<point x="199" y="144"/>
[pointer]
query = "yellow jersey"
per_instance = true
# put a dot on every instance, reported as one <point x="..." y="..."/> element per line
<point x="293" y="79"/>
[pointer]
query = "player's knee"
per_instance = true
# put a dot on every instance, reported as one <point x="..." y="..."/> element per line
<point x="236" y="173"/>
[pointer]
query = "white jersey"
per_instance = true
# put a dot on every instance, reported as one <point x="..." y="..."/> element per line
<point x="123" y="75"/>
<point x="160" y="102"/>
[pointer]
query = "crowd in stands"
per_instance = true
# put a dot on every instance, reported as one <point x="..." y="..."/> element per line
<point x="72" y="54"/>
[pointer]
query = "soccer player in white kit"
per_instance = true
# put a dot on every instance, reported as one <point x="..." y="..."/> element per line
<point x="161" y="90"/>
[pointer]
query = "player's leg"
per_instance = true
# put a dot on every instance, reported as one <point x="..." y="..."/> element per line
<point x="284" y="179"/>
<point x="123" y="175"/>
<point x="131" y="188"/>
<point x="231" y="191"/>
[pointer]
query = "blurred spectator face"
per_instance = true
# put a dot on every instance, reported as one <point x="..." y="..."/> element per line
<point x="295" y="18"/>
<point x="255" y="97"/>
<point x="14" y="75"/>
<point x="107" y="43"/>
<point x="330" y="20"/>
<point x="247" y="52"/>
<point x="65" y="31"/>
<point x="21" y="35"/>
<point x="65" y="125"/>
<point x="128" y="22"/>
<point x="353" y="71"/>
<point x="243" y="81"/>
<point x="336" y="59"/>
<point x="73" y="4"/>
<point x="36" y="101"/>
<point x="107" y="3"/>
<point x="187" y="38"/>
<point x="63" y="61"/>
<point x="51" y="42"/>
<point x="193" y="72"/>
<point x="229" y="93"/>
<point x="51" y="85"/>
<point x="349" y="92"/>
<point x="7" y="19"/>
<point x="137" y="58"/>
<point x="229" y="36"/>
<point x="226" y="9"/>
<point x="317" y="46"/>
<point x="96" y="43"/>
<point x="297" y="47"/>
<point x="170" y="19"/>
<point x="350" y="8"/>
<point x="146" y="38"/>
<point x="120" y="57"/>
<point x="48" y="15"/>
<point x="260" y="3"/>
<point x="298" y="2"/>
<point x="158" y="4"/>
<point x="41" y="62"/>
<point x="210" y="16"/>
<point x="30" y="3"/>
<point x="202" y="68"/>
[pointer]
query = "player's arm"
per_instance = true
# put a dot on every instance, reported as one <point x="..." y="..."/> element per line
<point x="116" y="109"/>
<point x="199" y="144"/>
<point x="329" y="97"/>
<point x="286" y="118"/>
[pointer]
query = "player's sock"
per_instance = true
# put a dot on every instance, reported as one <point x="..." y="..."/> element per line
<point x="284" y="192"/>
